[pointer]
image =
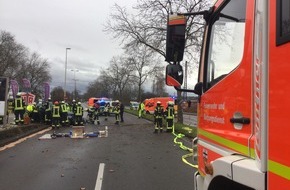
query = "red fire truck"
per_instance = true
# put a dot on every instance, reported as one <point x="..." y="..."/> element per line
<point x="243" y="90"/>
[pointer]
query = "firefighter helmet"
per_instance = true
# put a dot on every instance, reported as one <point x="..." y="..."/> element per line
<point x="79" y="103"/>
<point x="170" y="103"/>
<point x="158" y="102"/>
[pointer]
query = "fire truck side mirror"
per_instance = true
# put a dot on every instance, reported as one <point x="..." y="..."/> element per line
<point x="174" y="75"/>
<point x="175" y="38"/>
<point x="198" y="88"/>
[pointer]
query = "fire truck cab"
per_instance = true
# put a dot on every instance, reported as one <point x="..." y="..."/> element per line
<point x="243" y="90"/>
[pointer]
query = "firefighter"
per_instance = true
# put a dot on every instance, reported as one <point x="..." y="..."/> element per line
<point x="48" y="111"/>
<point x="169" y="115"/>
<point x="106" y="110"/>
<point x="56" y="115"/>
<point x="79" y="112"/>
<point x="158" y="114"/>
<point x="97" y="112"/>
<point x="91" y="111"/>
<point x="141" y="109"/>
<point x="35" y="113"/>
<point x="41" y="111"/>
<point x="18" y="109"/>
<point x="73" y="107"/>
<point x="116" y="110"/>
<point x="64" y="113"/>
<point x="29" y="110"/>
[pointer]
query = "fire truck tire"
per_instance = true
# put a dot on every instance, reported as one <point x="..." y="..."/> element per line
<point x="223" y="183"/>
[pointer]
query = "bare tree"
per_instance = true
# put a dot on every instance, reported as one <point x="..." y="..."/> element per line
<point x="119" y="74"/>
<point x="12" y="55"/>
<point x="114" y="80"/>
<point x="16" y="62"/>
<point x="158" y="86"/>
<point x="144" y="65"/>
<point x="57" y="94"/>
<point x="101" y="87"/>
<point x="148" y="25"/>
<point x="38" y="72"/>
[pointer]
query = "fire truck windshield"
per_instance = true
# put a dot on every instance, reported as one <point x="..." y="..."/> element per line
<point x="226" y="44"/>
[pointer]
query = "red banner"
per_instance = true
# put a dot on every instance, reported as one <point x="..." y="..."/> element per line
<point x="28" y="98"/>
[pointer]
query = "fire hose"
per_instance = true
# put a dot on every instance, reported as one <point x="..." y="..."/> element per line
<point x="183" y="147"/>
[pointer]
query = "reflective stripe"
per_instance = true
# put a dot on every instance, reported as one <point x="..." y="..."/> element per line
<point x="170" y="112"/>
<point x="79" y="111"/>
<point x="158" y="113"/>
<point x="63" y="108"/>
<point x="227" y="143"/>
<point x="55" y="111"/>
<point x="18" y="104"/>
<point x="279" y="169"/>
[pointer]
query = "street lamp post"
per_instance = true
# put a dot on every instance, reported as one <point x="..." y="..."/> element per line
<point x="64" y="94"/>
<point x="75" y="91"/>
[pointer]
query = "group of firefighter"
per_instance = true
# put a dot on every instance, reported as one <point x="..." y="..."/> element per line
<point x="50" y="113"/>
<point x="168" y="114"/>
<point x="56" y="114"/>
<point x="96" y="110"/>
<point x="159" y="114"/>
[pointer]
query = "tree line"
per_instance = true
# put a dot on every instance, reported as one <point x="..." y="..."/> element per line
<point x="143" y="38"/>
<point x="18" y="62"/>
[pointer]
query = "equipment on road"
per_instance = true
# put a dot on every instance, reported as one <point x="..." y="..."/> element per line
<point x="77" y="132"/>
<point x="242" y="93"/>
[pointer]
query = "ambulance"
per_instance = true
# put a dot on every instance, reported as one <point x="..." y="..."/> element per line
<point x="243" y="91"/>
<point x="151" y="103"/>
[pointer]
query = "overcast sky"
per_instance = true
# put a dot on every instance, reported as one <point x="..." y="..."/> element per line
<point x="50" y="26"/>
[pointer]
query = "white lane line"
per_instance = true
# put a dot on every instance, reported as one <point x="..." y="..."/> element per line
<point x="100" y="177"/>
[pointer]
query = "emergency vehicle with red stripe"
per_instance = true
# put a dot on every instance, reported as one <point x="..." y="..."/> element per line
<point x="244" y="93"/>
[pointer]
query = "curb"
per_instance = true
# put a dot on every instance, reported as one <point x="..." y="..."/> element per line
<point x="12" y="134"/>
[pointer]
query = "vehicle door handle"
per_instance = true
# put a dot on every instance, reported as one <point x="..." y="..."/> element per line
<point x="242" y="120"/>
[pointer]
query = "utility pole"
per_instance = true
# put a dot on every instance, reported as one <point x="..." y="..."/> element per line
<point x="185" y="81"/>
<point x="75" y="91"/>
<point x="65" y="68"/>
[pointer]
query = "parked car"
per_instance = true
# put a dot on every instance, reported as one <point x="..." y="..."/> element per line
<point x="134" y="105"/>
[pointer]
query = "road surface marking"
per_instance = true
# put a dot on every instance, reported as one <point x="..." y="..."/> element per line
<point x="100" y="177"/>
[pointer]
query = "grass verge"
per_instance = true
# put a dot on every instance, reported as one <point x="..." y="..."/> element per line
<point x="187" y="130"/>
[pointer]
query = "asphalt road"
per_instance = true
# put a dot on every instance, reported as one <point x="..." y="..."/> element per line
<point x="130" y="158"/>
